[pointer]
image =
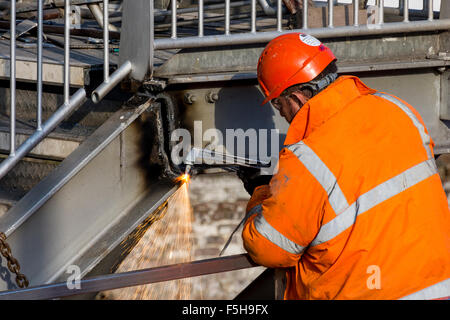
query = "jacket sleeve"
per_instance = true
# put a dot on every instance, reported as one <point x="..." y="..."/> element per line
<point x="283" y="221"/>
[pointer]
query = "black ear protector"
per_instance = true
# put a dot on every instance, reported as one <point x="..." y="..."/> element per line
<point x="313" y="86"/>
<point x="316" y="86"/>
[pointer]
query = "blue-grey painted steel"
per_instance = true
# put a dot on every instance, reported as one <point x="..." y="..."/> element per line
<point x="174" y="19"/>
<point x="381" y="12"/>
<point x="405" y="10"/>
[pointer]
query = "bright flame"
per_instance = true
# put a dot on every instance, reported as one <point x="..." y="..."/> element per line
<point x="185" y="178"/>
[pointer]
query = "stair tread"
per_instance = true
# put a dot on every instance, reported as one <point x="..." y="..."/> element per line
<point x="76" y="133"/>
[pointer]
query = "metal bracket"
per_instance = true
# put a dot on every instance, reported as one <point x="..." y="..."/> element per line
<point x="154" y="85"/>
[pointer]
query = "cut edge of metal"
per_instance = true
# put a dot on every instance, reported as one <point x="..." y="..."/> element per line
<point x="78" y="159"/>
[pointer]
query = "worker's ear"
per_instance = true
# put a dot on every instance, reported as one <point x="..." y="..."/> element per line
<point x="301" y="97"/>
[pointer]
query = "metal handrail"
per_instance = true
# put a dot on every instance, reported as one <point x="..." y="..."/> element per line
<point x="380" y="27"/>
<point x="69" y="105"/>
<point x="263" y="37"/>
<point x="109" y="81"/>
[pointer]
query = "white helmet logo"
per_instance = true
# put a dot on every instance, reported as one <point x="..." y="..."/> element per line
<point x="309" y="40"/>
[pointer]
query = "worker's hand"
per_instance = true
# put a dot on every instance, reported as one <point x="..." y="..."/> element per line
<point x="252" y="178"/>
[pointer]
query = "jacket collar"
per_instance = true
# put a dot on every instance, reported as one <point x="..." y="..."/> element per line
<point x="325" y="105"/>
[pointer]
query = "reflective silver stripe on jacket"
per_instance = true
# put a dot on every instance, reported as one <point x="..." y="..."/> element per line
<point x="272" y="234"/>
<point x="252" y="211"/>
<point x="322" y="174"/>
<point x="370" y="199"/>
<point x="439" y="290"/>
<point x="425" y="137"/>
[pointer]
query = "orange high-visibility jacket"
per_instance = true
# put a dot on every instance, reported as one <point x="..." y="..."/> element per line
<point x="356" y="209"/>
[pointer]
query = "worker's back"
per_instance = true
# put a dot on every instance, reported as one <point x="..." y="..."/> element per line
<point x="361" y="200"/>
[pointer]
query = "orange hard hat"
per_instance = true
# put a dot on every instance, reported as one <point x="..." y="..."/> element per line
<point x="290" y="59"/>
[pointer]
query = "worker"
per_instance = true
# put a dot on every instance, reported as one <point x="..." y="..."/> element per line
<point x="356" y="209"/>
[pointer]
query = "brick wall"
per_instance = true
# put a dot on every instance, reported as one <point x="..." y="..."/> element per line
<point x="219" y="202"/>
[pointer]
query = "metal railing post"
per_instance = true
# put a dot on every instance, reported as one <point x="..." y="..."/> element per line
<point x="253" y="16"/>
<point x="66" y="51"/>
<point x="200" y="18"/>
<point x="330" y="13"/>
<point x="227" y="17"/>
<point x="356" y="13"/>
<point x="279" y="15"/>
<point x="405" y="10"/>
<point x="106" y="40"/>
<point x="12" y="79"/>
<point x="430" y="10"/>
<point x="152" y="37"/>
<point x="174" y="18"/>
<point x="39" y="66"/>
<point x="305" y="14"/>
<point x="381" y="12"/>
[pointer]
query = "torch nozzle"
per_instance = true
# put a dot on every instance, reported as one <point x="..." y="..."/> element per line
<point x="187" y="171"/>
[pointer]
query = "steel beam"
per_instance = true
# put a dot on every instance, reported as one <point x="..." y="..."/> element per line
<point x="69" y="218"/>
<point x="445" y="10"/>
<point x="135" y="47"/>
<point x="134" y="278"/>
<point x="360" y="53"/>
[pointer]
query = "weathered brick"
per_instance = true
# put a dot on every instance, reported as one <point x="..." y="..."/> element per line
<point x="207" y="252"/>
<point x="215" y="240"/>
